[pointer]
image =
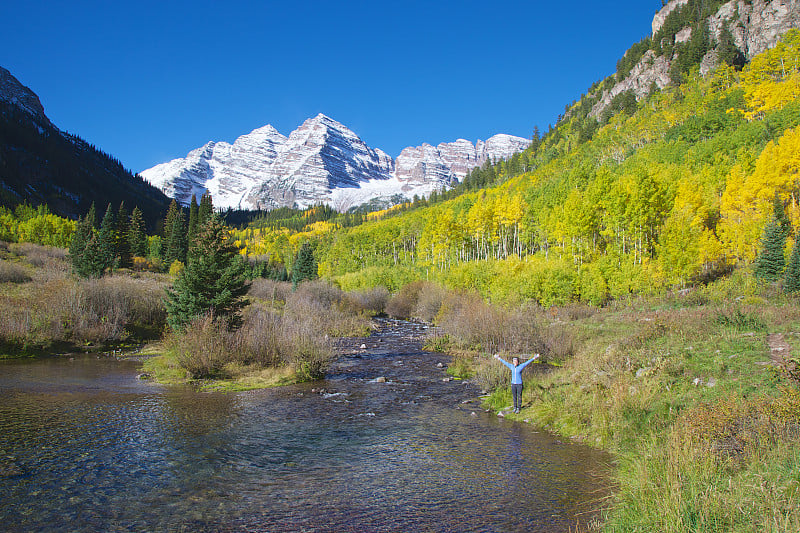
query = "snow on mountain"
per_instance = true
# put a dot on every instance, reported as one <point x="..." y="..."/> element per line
<point x="322" y="161"/>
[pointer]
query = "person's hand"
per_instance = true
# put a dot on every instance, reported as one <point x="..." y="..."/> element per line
<point x="497" y="356"/>
<point x="536" y="356"/>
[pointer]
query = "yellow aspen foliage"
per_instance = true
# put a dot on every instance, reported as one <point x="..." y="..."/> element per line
<point x="772" y="79"/>
<point x="746" y="203"/>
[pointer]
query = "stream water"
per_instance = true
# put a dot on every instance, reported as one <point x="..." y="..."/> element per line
<point x="85" y="446"/>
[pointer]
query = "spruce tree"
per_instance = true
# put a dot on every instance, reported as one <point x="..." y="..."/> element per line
<point x="107" y="240"/>
<point x="169" y="220"/>
<point x="305" y="266"/>
<point x="95" y="260"/>
<point x="205" y="210"/>
<point x="193" y="218"/>
<point x="137" y="235"/>
<point x="91" y="217"/>
<point x="176" y="243"/>
<point x="213" y="280"/>
<point x="771" y="262"/>
<point x="791" y="282"/>
<point x="77" y="246"/>
<point x="123" y="242"/>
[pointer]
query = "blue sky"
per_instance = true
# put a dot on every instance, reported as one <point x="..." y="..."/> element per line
<point x="149" y="81"/>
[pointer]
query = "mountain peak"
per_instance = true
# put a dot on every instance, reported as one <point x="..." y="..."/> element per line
<point x="322" y="161"/>
<point x="12" y="91"/>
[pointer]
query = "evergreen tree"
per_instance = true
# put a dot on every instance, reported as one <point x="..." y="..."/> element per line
<point x="77" y="246"/>
<point x="770" y="263"/>
<point x="176" y="243"/>
<point x="213" y="280"/>
<point x="95" y="260"/>
<point x="791" y="282"/>
<point x="123" y="242"/>
<point x="107" y="237"/>
<point x="137" y="236"/>
<point x="193" y="218"/>
<point x="91" y="217"/>
<point x="169" y="220"/>
<point x="205" y="210"/>
<point x="305" y="266"/>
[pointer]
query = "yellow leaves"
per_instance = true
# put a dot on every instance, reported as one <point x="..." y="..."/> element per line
<point x="772" y="80"/>
<point x="747" y="201"/>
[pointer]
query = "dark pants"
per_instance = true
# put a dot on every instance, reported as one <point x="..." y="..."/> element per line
<point x="516" y="393"/>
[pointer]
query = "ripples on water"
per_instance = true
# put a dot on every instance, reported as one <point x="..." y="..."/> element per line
<point x="84" y="446"/>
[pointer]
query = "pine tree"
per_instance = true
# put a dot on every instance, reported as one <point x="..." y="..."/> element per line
<point x="169" y="220"/>
<point x="305" y="266"/>
<point x="137" y="236"/>
<point x="123" y="242"/>
<point x="107" y="240"/>
<point x="95" y="260"/>
<point x="77" y="246"/>
<point x="791" y="282"/>
<point x="205" y="210"/>
<point x="213" y="280"/>
<point x="193" y="218"/>
<point x="176" y="243"/>
<point x="91" y="217"/>
<point x="770" y="263"/>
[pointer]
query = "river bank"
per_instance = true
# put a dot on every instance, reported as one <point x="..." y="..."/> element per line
<point x="696" y="395"/>
<point x="352" y="452"/>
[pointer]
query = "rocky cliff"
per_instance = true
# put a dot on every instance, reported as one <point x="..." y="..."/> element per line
<point x="16" y="94"/>
<point x="322" y="161"/>
<point x="754" y="25"/>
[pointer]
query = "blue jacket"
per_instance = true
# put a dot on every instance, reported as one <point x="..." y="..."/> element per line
<point x="516" y="371"/>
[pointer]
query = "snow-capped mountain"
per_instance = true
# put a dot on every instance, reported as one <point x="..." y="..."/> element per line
<point x="322" y="161"/>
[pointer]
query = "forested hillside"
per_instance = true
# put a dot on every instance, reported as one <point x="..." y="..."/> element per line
<point x="672" y="190"/>
<point x="41" y="165"/>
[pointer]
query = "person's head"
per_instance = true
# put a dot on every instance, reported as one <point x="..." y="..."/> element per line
<point x="515" y="361"/>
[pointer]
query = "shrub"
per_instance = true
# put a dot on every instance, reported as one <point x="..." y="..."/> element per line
<point x="405" y="303"/>
<point x="176" y="268"/>
<point x="38" y="255"/>
<point x="372" y="301"/>
<point x="13" y="273"/>
<point x="258" y="340"/>
<point x="267" y="289"/>
<point x="429" y="301"/>
<point x="202" y="348"/>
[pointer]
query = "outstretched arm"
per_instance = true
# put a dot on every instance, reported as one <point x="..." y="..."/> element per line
<point x="509" y="365"/>
<point x="531" y="360"/>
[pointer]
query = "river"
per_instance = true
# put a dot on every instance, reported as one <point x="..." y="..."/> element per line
<point x="86" y="446"/>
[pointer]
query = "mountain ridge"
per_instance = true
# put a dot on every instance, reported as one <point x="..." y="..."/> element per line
<point x="42" y="164"/>
<point x="321" y="161"/>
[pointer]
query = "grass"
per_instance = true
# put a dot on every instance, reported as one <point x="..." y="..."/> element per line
<point x="44" y="309"/>
<point x="165" y="368"/>
<point x="704" y="429"/>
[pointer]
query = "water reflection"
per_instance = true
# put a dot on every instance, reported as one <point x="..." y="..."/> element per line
<point x="85" y="446"/>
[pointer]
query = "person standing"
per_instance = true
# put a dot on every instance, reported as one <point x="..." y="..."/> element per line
<point x="516" y="377"/>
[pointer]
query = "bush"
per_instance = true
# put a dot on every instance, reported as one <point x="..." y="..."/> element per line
<point x="38" y="255"/>
<point x="372" y="301"/>
<point x="13" y="273"/>
<point x="107" y="307"/>
<point x="267" y="289"/>
<point x="420" y="299"/>
<point x="202" y="348"/>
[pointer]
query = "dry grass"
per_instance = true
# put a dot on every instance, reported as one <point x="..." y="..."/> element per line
<point x="13" y="272"/>
<point x="54" y="308"/>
